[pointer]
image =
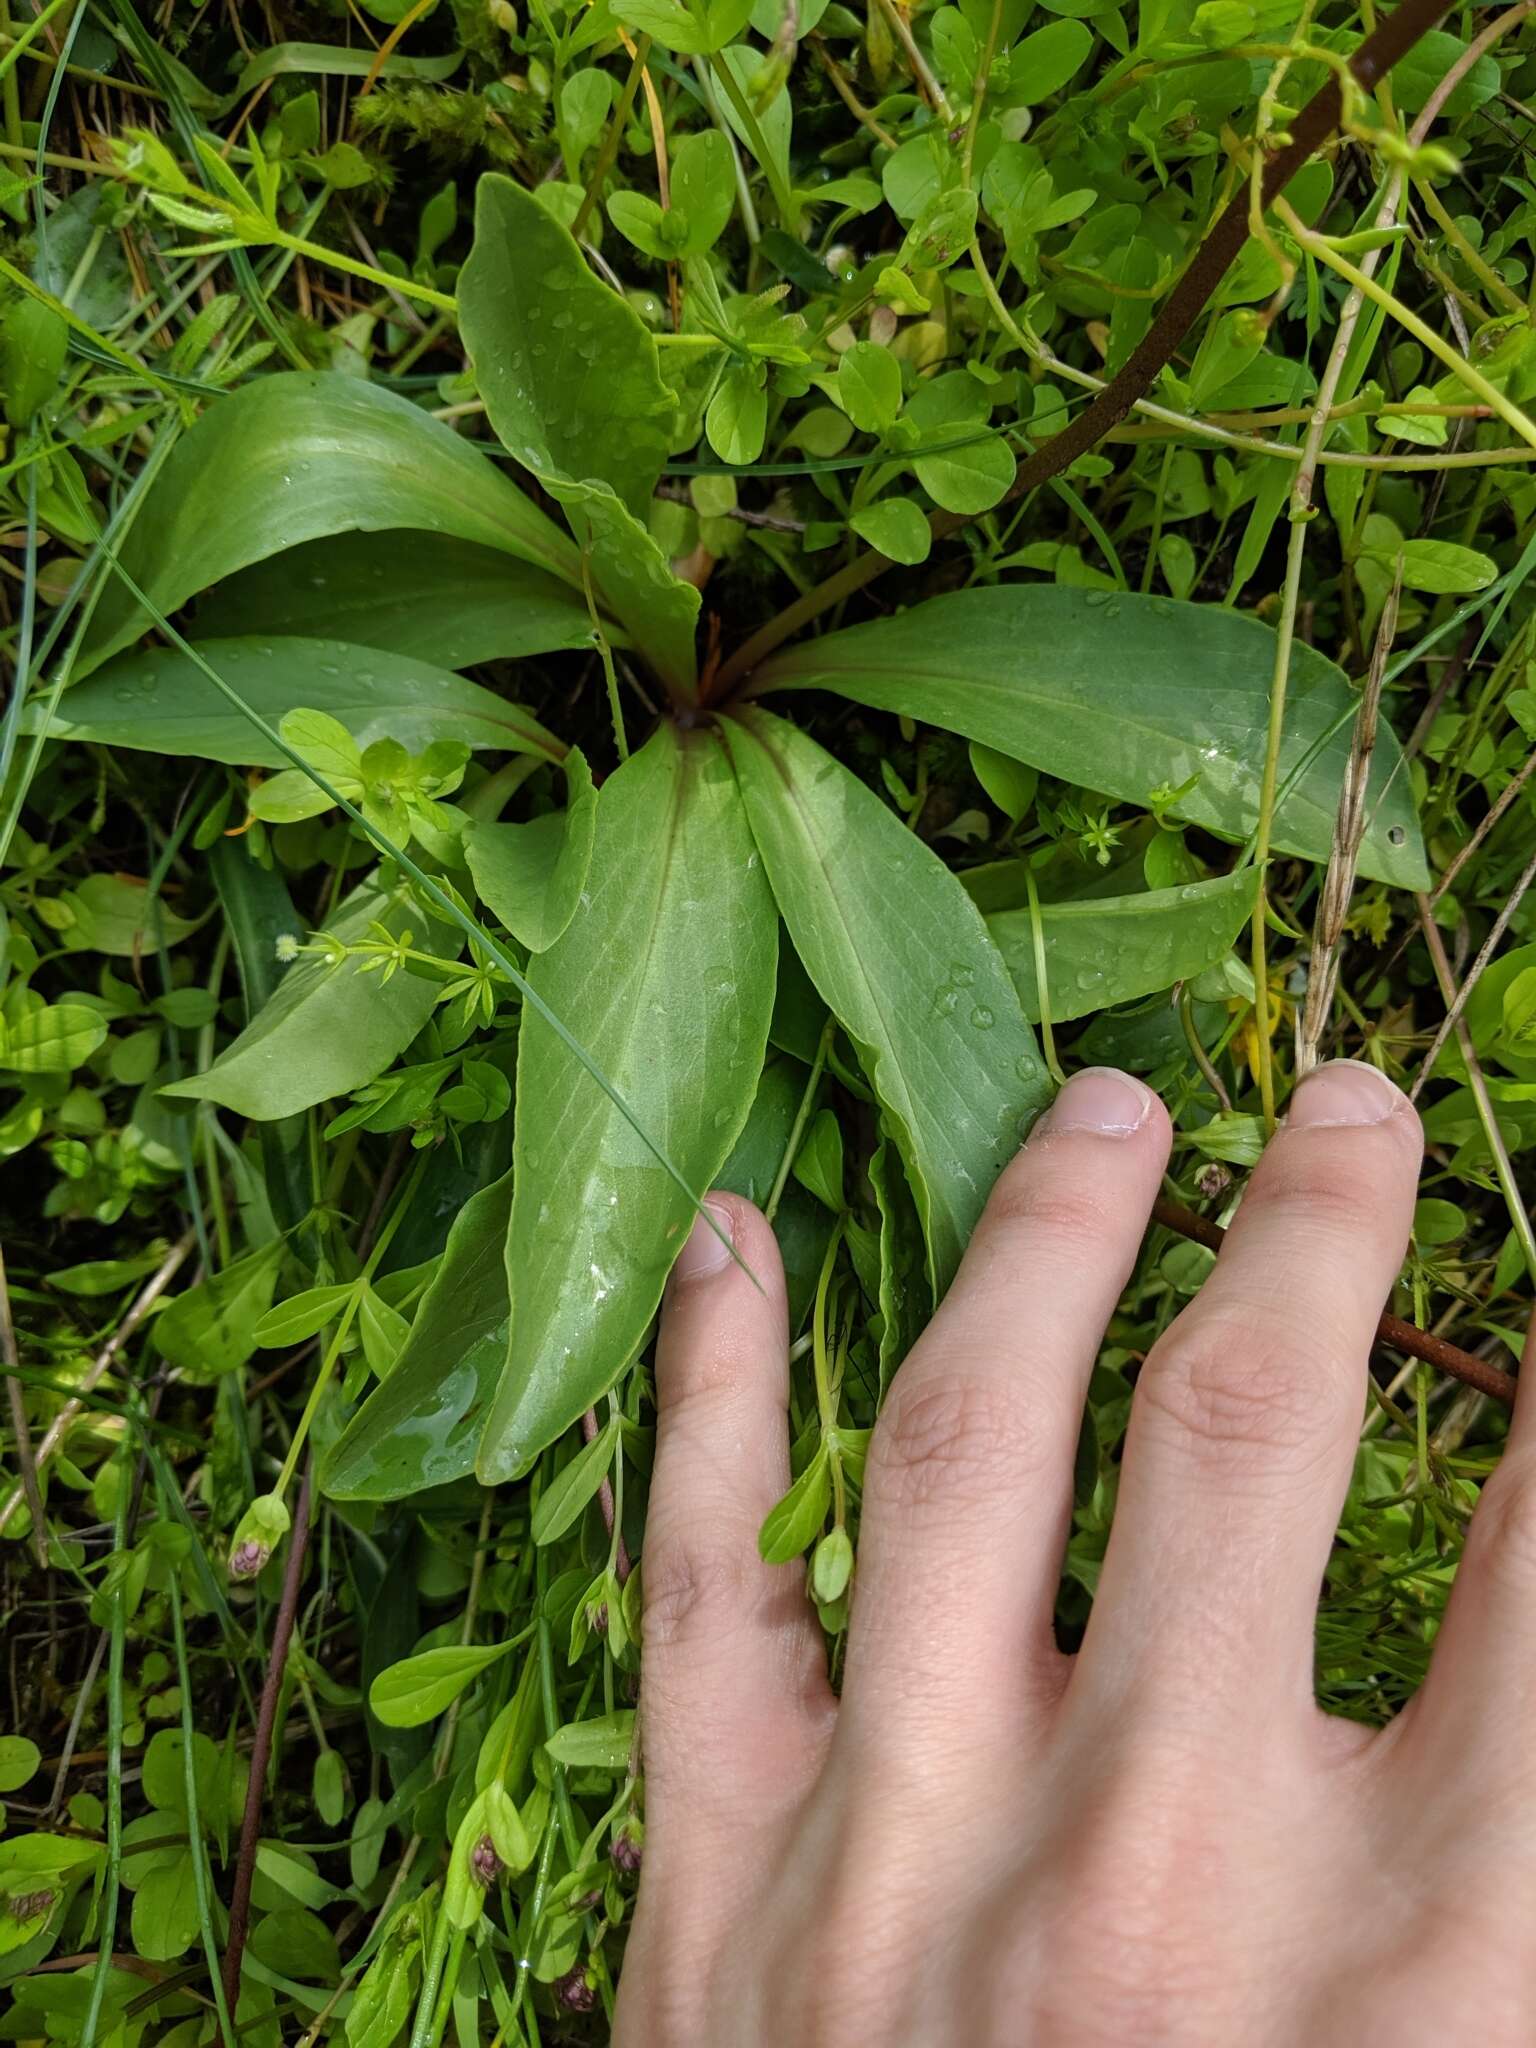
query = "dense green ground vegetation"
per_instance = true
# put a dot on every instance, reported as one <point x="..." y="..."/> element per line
<point x="614" y="596"/>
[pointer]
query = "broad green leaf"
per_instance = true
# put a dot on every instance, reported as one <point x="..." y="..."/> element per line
<point x="418" y="1688"/>
<point x="1044" y="61"/>
<point x="703" y="190"/>
<point x="289" y="1869"/>
<point x="819" y="1162"/>
<point x="669" y="969"/>
<point x="421" y="1426"/>
<point x="531" y="876"/>
<point x="52" y="1040"/>
<point x="1128" y="695"/>
<point x="381" y="2004"/>
<point x="657" y="609"/>
<point x="165" y="1919"/>
<point x="164" y="1775"/>
<point x="869" y="386"/>
<point x="1439" y="566"/>
<point x="694" y="27"/>
<point x="1110" y="949"/>
<point x="328" y="1029"/>
<point x="302" y="1316"/>
<point x="159" y="701"/>
<point x="794" y="1521"/>
<point x="293" y="456"/>
<point x="1009" y="783"/>
<point x="901" y="956"/>
<point x="211" y="1328"/>
<point x="118" y="915"/>
<point x="967" y="479"/>
<point x="19" y="1759"/>
<point x="600" y="1745"/>
<point x="36" y="1871"/>
<point x="897" y="527"/>
<point x="962" y="475"/>
<point x="566" y="366"/>
<point x="429" y="596"/>
<point x="832" y="1566"/>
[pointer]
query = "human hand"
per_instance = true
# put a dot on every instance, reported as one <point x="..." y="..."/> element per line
<point x="1161" y="1840"/>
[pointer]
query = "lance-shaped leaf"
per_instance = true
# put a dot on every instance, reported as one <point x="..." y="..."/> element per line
<point x="430" y="596"/>
<point x="566" y="366"/>
<point x="657" y="609"/>
<point x="329" y="1028"/>
<point x="1110" y="949"/>
<point x="901" y="956"/>
<point x="156" y="699"/>
<point x="571" y="382"/>
<point x="1135" y="696"/>
<point x="531" y="876"/>
<point x="420" y="1426"/>
<point x="669" y="971"/>
<point x="294" y="456"/>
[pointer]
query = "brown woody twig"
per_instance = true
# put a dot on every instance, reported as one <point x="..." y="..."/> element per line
<point x="1391" y="1330"/>
<point x="261" y="1749"/>
<point x="1391" y="40"/>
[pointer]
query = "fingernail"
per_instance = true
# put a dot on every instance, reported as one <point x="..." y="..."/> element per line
<point x="1343" y="1092"/>
<point x="1103" y="1100"/>
<point x="704" y="1253"/>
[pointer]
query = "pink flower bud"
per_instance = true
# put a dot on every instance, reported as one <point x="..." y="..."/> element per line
<point x="574" y="1992"/>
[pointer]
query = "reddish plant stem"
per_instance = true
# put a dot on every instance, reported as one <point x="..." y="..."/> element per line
<point x="1391" y="40"/>
<point x="1391" y="1330"/>
<point x="621" y="1563"/>
<point x="261" y="1750"/>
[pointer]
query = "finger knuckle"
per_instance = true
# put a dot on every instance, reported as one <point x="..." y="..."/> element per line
<point x="962" y="1434"/>
<point x="692" y="1589"/>
<point x="1035" y="1200"/>
<point x="1223" y="1388"/>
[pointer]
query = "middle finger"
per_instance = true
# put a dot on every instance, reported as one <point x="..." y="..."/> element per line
<point x="1247" y="1412"/>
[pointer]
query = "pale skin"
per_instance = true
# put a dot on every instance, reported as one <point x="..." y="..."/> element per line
<point x="983" y="1843"/>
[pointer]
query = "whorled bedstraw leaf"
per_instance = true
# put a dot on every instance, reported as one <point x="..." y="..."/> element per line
<point x="159" y="701"/>
<point x="429" y="596"/>
<point x="531" y="876"/>
<point x="670" y="970"/>
<point x="1131" y="696"/>
<point x="1110" y="949"/>
<point x="420" y="1428"/>
<point x="329" y="1028"/>
<point x="901" y="956"/>
<point x="314" y="453"/>
<point x="566" y="366"/>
